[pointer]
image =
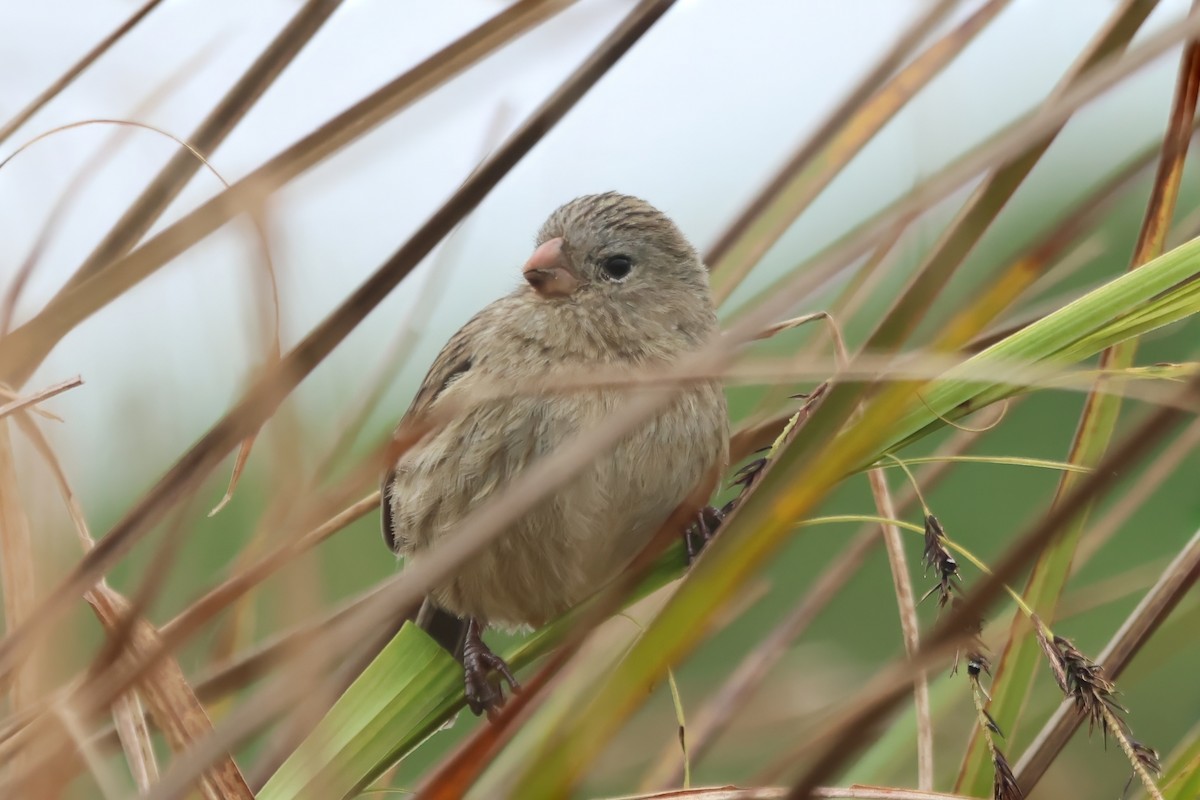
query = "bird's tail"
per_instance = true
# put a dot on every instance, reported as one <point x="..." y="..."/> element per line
<point x="446" y="629"/>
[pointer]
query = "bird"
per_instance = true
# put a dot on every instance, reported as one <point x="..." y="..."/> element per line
<point x="612" y="283"/>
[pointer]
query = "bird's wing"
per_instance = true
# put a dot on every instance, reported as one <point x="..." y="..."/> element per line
<point x="454" y="361"/>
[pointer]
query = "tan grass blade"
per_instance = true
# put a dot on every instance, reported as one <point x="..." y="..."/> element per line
<point x="22" y="403"/>
<point x="176" y="710"/>
<point x="23" y="349"/>
<point x="18" y="570"/>
<point x="237" y="102"/>
<point x="129" y="717"/>
<point x="75" y="69"/>
<point x="987" y="200"/>
<point x="173" y="705"/>
<point x="866" y="109"/>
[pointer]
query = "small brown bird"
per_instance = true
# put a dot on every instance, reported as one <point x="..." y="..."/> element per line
<point x="611" y="283"/>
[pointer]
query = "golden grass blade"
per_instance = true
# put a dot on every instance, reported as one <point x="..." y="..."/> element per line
<point x="75" y="69"/>
<point x="1020" y="659"/>
<point x="23" y="349"/>
<point x="746" y="677"/>
<point x="237" y="102"/>
<point x="987" y="200"/>
<point x="848" y="129"/>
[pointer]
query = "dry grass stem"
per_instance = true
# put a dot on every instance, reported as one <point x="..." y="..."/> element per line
<point x="53" y="90"/>
<point x="909" y="626"/>
<point x="240" y="98"/>
<point x="24" y="349"/>
<point x="881" y="91"/>
<point x="22" y="403"/>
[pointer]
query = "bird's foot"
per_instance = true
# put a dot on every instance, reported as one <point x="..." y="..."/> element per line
<point x="479" y="662"/>
<point x="696" y="535"/>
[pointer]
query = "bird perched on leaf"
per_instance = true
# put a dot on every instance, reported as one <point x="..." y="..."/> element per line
<point x="611" y="284"/>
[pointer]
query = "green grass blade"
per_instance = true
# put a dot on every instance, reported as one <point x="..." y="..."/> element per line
<point x="388" y="709"/>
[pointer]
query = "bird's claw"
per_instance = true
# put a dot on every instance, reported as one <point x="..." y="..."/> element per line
<point x="696" y="535"/>
<point x="479" y="662"/>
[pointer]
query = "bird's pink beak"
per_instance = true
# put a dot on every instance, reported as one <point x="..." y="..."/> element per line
<point x="546" y="270"/>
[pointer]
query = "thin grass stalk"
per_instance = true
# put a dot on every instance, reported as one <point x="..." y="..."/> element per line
<point x="129" y="719"/>
<point x="909" y="626"/>
<point x="732" y="695"/>
<point x="64" y="80"/>
<point x="1017" y="663"/>
<point x="22" y="403"/>
<point x="26" y="347"/>
<point x="986" y="201"/>
<point x="874" y="101"/>
<point x="229" y="111"/>
<point x="18" y="571"/>
<point x="84" y="175"/>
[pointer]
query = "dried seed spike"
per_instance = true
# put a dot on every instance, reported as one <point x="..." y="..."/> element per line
<point x="1004" y="786"/>
<point x="991" y="723"/>
<point x="1147" y="757"/>
<point x="938" y="557"/>
<point x="1053" y="656"/>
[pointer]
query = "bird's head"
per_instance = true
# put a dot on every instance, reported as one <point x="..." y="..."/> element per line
<point x="613" y="247"/>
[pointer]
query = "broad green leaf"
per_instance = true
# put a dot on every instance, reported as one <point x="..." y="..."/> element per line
<point x="402" y="696"/>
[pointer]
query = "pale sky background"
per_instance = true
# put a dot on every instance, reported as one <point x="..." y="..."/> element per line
<point x="695" y="118"/>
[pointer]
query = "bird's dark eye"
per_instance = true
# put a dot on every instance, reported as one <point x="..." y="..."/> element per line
<point x="617" y="268"/>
